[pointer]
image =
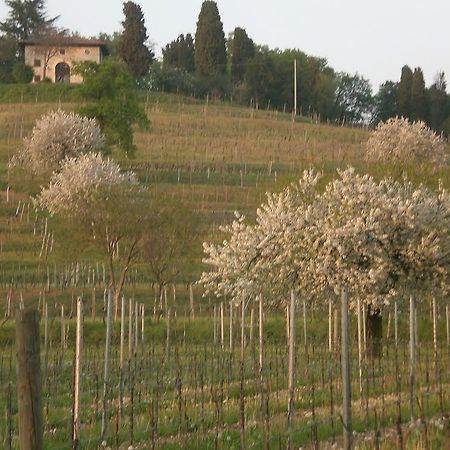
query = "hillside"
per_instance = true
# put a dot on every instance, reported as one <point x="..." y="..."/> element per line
<point x="216" y="157"/>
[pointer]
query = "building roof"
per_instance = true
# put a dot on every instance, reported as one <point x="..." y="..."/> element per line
<point x="65" y="41"/>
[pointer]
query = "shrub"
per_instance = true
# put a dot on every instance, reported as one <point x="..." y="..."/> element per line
<point x="399" y="140"/>
<point x="22" y="73"/>
<point x="58" y="135"/>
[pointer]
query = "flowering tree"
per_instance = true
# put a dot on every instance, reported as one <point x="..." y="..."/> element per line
<point x="56" y="136"/>
<point x="399" y="140"/>
<point x="92" y="193"/>
<point x="376" y="239"/>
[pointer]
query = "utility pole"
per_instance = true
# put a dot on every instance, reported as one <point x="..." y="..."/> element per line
<point x="295" y="88"/>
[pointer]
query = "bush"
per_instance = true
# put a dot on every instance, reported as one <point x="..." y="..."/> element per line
<point x="22" y="73"/>
<point x="399" y="140"/>
<point x="56" y="136"/>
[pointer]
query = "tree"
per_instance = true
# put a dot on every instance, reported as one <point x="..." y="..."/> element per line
<point x="353" y="101"/>
<point x="437" y="98"/>
<point x="260" y="75"/>
<point x="404" y="92"/>
<point x="400" y="141"/>
<point x="242" y="50"/>
<point x="58" y="135"/>
<point x="112" y="42"/>
<point x="8" y="50"/>
<point x="171" y="240"/>
<point x="210" y="52"/>
<point x="180" y="54"/>
<point x="111" y="93"/>
<point x="25" y="17"/>
<point x="378" y="239"/>
<point x="385" y="102"/>
<point x="132" y="48"/>
<point x="418" y="96"/>
<point x="92" y="194"/>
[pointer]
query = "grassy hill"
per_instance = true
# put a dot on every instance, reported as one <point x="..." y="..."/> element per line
<point x="215" y="157"/>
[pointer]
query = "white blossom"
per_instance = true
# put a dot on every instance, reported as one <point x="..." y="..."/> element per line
<point x="399" y="140"/>
<point x="76" y="184"/>
<point x="56" y="136"/>
<point x="376" y="238"/>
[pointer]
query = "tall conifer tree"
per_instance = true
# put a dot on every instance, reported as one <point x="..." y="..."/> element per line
<point x="210" y="51"/>
<point x="418" y="96"/>
<point x="25" y="17"/>
<point x="243" y="49"/>
<point x="404" y="92"/>
<point x="180" y="53"/>
<point x="132" y="48"/>
<point x="438" y="101"/>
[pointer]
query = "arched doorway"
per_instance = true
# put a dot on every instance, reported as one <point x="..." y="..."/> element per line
<point x="62" y="73"/>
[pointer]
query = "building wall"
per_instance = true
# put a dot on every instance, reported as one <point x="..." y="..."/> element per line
<point x="36" y="56"/>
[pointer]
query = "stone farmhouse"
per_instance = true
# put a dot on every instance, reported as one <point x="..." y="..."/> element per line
<point x="53" y="57"/>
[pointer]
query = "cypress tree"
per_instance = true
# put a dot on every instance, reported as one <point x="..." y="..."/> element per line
<point x="243" y="49"/>
<point x="180" y="53"/>
<point x="132" y="48"/>
<point x="437" y="96"/>
<point x="418" y="96"/>
<point x="210" y="52"/>
<point x="404" y="93"/>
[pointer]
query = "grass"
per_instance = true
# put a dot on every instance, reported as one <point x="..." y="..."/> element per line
<point x="215" y="158"/>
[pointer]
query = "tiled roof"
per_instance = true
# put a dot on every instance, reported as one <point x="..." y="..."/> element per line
<point x="73" y="41"/>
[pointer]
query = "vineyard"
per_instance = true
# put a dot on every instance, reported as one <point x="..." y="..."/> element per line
<point x="173" y="368"/>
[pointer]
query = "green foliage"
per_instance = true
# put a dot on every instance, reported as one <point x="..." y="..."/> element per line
<point x="260" y="76"/>
<point x="169" y="79"/>
<point x="22" y="73"/>
<point x="112" y="42"/>
<point x="210" y="52"/>
<point x="180" y="54"/>
<point x="353" y="102"/>
<point x="385" y="102"/>
<point x="404" y="93"/>
<point x="132" y="48"/>
<point x="242" y="50"/>
<point x="40" y="92"/>
<point x="25" y="17"/>
<point x="438" y="102"/>
<point x="8" y="51"/>
<point x="418" y="96"/>
<point x="216" y="87"/>
<point x="113" y="100"/>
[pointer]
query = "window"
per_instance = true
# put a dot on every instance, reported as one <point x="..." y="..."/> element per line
<point x="37" y="78"/>
<point x="37" y="63"/>
<point x="62" y="51"/>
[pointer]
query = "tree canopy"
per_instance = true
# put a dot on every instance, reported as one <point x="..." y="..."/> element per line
<point x="132" y="45"/>
<point x="112" y="98"/>
<point x="210" y="51"/>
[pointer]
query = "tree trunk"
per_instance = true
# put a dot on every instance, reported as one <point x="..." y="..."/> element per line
<point x="374" y="326"/>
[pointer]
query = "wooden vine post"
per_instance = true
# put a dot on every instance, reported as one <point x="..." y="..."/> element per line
<point x="346" y="381"/>
<point x="109" y="319"/>
<point x="29" y="380"/>
<point x="77" y="377"/>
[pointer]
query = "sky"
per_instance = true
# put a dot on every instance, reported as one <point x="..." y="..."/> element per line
<point x="372" y="37"/>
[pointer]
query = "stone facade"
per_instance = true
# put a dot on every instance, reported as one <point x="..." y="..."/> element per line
<point x="54" y="58"/>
